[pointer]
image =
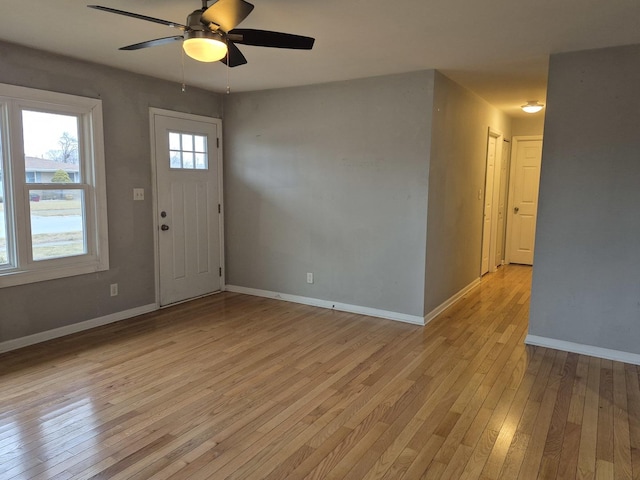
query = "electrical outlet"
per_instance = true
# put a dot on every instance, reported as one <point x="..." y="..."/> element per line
<point x="138" y="193"/>
<point x="114" y="289"/>
<point x="309" y="277"/>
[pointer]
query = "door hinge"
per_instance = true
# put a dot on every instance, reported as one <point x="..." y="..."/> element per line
<point x="219" y="209"/>
<point x="220" y="271"/>
<point x="218" y="142"/>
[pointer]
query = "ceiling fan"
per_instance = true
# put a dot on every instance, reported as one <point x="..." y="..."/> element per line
<point x="210" y="34"/>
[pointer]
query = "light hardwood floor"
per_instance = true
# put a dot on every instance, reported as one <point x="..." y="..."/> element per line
<point x="240" y="387"/>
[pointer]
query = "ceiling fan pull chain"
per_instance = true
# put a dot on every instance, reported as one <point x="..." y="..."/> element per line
<point x="184" y="86"/>
<point x="228" y="68"/>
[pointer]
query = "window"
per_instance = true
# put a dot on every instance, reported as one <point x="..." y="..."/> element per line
<point x="52" y="189"/>
<point x="187" y="151"/>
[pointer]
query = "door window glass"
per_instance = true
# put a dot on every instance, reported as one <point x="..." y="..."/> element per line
<point x="188" y="152"/>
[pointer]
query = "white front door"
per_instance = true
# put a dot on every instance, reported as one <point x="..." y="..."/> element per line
<point x="524" y="207"/>
<point x="487" y="230"/>
<point x="188" y="184"/>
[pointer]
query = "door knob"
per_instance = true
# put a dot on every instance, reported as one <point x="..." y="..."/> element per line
<point x="516" y="209"/>
<point x="164" y="227"/>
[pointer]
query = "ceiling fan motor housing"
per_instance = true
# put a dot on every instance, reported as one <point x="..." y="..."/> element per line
<point x="197" y="29"/>
<point x="194" y="22"/>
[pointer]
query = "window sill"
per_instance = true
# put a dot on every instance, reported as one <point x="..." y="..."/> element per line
<point x="22" y="277"/>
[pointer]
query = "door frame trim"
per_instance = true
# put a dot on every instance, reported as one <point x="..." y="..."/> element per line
<point x="503" y="193"/>
<point x="512" y="186"/>
<point x="495" y="196"/>
<point x="153" y="112"/>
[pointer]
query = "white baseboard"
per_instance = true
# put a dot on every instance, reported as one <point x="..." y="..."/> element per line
<point x="343" y="307"/>
<point x="75" y="328"/>
<point x="606" y="353"/>
<point x="447" y="303"/>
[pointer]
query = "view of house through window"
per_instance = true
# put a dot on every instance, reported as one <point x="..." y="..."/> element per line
<point x="52" y="156"/>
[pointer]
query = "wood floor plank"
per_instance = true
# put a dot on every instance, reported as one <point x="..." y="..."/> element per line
<point x="515" y="456"/>
<point x="604" y="445"/>
<point x="508" y="429"/>
<point x="633" y="405"/>
<point x="555" y="436"/>
<point x="570" y="450"/>
<point x="535" y="451"/>
<point x="245" y="388"/>
<point x="423" y="459"/>
<point x="589" y="434"/>
<point x="621" y="440"/>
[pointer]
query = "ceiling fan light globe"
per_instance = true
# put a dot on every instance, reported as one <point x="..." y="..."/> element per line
<point x="532" y="107"/>
<point x="205" y="49"/>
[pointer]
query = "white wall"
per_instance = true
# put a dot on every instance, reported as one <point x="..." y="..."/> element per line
<point x="586" y="282"/>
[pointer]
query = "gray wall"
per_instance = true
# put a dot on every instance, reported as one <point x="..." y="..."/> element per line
<point x="586" y="282"/>
<point x="331" y="179"/>
<point x="126" y="100"/>
<point x="461" y="121"/>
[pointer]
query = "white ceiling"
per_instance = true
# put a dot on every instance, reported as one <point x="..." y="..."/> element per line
<point x="497" y="48"/>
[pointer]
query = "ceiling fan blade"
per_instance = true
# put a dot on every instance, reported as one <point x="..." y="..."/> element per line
<point x="236" y="58"/>
<point x="265" y="38"/>
<point x="139" y="17"/>
<point x="227" y="13"/>
<point x="153" y="43"/>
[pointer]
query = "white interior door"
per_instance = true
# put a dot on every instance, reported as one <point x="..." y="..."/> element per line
<point x="188" y="174"/>
<point x="488" y="204"/>
<point x="524" y="206"/>
<point x="502" y="203"/>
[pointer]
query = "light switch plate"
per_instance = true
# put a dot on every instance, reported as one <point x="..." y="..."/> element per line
<point x="138" y="193"/>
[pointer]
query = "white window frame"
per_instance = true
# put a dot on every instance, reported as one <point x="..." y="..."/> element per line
<point x="22" y="269"/>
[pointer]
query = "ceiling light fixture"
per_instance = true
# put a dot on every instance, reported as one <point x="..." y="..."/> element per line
<point x="532" y="106"/>
<point x="204" y="46"/>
